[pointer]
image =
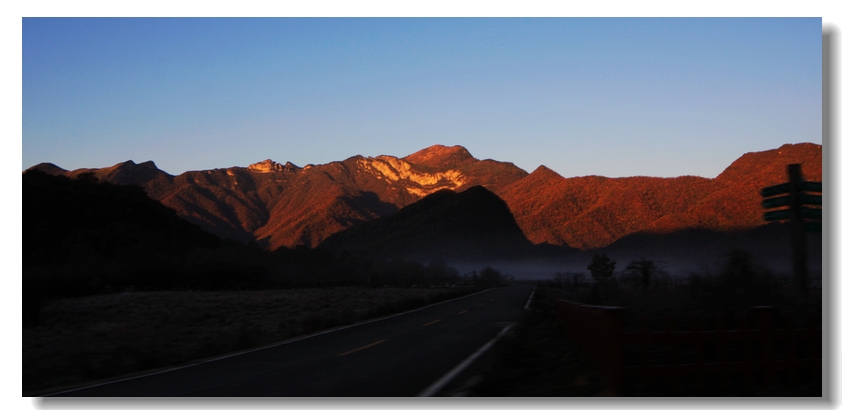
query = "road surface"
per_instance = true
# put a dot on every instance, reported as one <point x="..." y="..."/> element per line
<point x="399" y="356"/>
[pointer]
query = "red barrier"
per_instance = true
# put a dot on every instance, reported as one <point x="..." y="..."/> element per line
<point x="762" y="355"/>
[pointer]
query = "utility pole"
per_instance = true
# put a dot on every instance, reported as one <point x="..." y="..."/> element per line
<point x="799" y="240"/>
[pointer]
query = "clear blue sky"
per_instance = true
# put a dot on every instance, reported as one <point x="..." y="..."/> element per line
<point x="614" y="97"/>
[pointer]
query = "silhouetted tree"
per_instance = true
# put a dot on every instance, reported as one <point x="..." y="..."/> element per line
<point x="601" y="267"/>
<point x="642" y="271"/>
<point x="739" y="271"/>
<point x="560" y="279"/>
<point x="661" y="279"/>
<point x="490" y="277"/>
<point x="568" y="280"/>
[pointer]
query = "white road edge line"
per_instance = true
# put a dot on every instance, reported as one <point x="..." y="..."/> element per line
<point x="529" y="302"/>
<point x="288" y="341"/>
<point x="434" y="388"/>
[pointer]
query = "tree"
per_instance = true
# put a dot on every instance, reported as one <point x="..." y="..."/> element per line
<point x="601" y="267"/>
<point x="568" y="279"/>
<point x="490" y="277"/>
<point x="642" y="269"/>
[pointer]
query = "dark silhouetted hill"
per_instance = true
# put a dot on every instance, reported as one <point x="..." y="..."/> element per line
<point x="82" y="218"/>
<point x="474" y="224"/>
<point x="83" y="236"/>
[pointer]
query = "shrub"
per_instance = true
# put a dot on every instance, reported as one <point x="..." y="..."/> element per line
<point x="602" y="268"/>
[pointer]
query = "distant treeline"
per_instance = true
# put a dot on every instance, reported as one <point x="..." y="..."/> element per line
<point x="738" y="284"/>
<point x="82" y="236"/>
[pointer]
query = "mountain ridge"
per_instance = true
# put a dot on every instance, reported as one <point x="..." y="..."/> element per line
<point x="285" y="205"/>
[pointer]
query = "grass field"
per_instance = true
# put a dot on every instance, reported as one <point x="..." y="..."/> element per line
<point x="85" y="339"/>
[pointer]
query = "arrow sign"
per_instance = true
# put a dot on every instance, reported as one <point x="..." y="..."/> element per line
<point x="776" y="215"/>
<point x="807" y="199"/>
<point x="811" y="186"/>
<point x="776" y="202"/>
<point x="775" y="190"/>
<point x="809" y="213"/>
<point x="804" y="199"/>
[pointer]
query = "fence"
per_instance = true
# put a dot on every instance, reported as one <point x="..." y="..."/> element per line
<point x="758" y="355"/>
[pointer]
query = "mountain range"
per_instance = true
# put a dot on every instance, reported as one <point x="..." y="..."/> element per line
<point x="284" y="205"/>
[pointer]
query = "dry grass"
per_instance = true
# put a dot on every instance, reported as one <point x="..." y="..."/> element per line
<point x="85" y="339"/>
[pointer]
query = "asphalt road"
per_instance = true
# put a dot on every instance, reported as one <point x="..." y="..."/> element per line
<point x="395" y="357"/>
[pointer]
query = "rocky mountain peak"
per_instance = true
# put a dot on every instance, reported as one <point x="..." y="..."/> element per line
<point x="418" y="182"/>
<point x="438" y="156"/>
<point x="268" y="165"/>
<point x="546" y="173"/>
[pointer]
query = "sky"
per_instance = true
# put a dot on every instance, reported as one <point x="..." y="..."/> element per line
<point x="582" y="96"/>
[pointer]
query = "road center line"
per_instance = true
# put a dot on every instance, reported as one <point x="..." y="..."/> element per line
<point x="480" y="304"/>
<point x="464" y="311"/>
<point x="428" y="324"/>
<point x="361" y="348"/>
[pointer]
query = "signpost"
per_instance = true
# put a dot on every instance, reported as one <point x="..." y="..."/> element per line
<point x="800" y="209"/>
<point x="775" y="190"/>
<point x="777" y="215"/>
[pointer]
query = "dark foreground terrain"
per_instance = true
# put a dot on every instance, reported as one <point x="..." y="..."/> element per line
<point x="543" y="358"/>
<point x="402" y="355"/>
<point x="81" y="340"/>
